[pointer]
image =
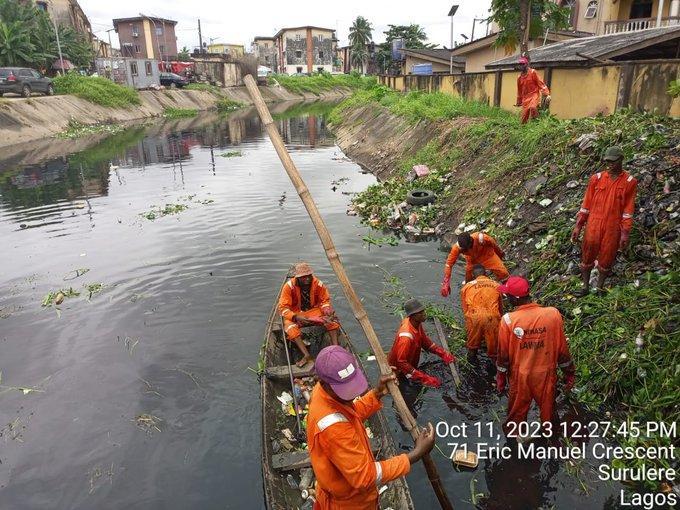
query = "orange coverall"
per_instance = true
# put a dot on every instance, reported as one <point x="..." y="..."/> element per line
<point x="607" y="209"/>
<point x="529" y="90"/>
<point x="482" y="307"/>
<point x="531" y="345"/>
<point x="405" y="352"/>
<point x="290" y="304"/>
<point x="484" y="251"/>
<point x="347" y="474"/>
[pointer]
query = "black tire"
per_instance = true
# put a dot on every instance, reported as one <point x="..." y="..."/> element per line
<point x="173" y="85"/>
<point x="50" y="90"/>
<point x="420" y="197"/>
<point x="25" y="91"/>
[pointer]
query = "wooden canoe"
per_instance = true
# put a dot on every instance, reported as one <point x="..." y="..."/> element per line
<point x="278" y="458"/>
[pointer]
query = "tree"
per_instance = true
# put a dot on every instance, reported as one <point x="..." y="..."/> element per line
<point x="358" y="57"/>
<point x="511" y="17"/>
<point x="414" y="36"/>
<point x="184" y="55"/>
<point x="361" y="32"/>
<point x="15" y="44"/>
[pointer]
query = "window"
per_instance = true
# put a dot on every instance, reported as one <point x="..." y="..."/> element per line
<point x="36" y="74"/>
<point x="320" y="37"/>
<point x="266" y="59"/>
<point x="297" y="37"/>
<point x="299" y="70"/>
<point x="149" y="70"/>
<point x="641" y="9"/>
<point x="266" y="45"/>
<point x="135" y="30"/>
<point x="133" y="68"/>
<point x="321" y="55"/>
<point x="25" y="73"/>
<point x="159" y="30"/>
<point x="572" y="5"/>
<point x="298" y="54"/>
<point x="591" y="11"/>
<point x="161" y="48"/>
<point x="138" y="49"/>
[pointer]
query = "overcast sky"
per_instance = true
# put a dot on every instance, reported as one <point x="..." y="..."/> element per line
<point x="239" y="22"/>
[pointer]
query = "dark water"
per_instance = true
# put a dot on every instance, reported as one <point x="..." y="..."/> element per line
<point x="140" y="395"/>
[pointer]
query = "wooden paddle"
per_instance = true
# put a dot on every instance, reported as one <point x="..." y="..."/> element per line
<point x="445" y="345"/>
<point x="348" y="289"/>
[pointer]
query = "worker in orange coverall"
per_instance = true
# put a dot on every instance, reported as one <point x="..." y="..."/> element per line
<point x="607" y="213"/>
<point x="304" y="302"/>
<point x="531" y="345"/>
<point x="530" y="88"/>
<point x="478" y="248"/>
<point x="482" y="308"/>
<point x="408" y="342"/>
<point x="347" y="474"/>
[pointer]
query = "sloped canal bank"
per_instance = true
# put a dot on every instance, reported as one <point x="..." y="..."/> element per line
<point x="137" y="393"/>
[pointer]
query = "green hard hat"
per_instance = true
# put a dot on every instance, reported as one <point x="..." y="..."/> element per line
<point x="613" y="154"/>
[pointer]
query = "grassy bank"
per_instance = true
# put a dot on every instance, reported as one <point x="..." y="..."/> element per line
<point x="524" y="184"/>
<point x="179" y="113"/>
<point x="318" y="83"/>
<point x="96" y="90"/>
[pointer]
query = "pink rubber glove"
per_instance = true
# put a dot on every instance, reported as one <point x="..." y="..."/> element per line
<point x="446" y="287"/>
<point x="569" y="380"/>
<point x="623" y="242"/>
<point x="501" y="380"/>
<point x="426" y="380"/>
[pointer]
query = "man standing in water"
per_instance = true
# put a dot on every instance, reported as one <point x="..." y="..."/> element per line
<point x="305" y="302"/>
<point x="482" y="308"/>
<point x="347" y="475"/>
<point x="531" y="346"/>
<point x="607" y="213"/>
<point x="408" y="342"/>
<point x="530" y="88"/>
<point x="478" y="248"/>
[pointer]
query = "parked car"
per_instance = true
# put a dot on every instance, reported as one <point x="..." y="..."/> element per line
<point x="263" y="73"/>
<point x="24" y="81"/>
<point x="173" y="80"/>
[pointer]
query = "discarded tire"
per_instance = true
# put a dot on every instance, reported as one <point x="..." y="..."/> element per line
<point x="420" y="197"/>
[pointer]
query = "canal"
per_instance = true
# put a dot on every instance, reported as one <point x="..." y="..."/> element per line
<point x="169" y="242"/>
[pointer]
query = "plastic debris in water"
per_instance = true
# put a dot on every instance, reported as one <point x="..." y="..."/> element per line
<point x="292" y="482"/>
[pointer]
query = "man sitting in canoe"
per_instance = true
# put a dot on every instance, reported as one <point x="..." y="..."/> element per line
<point x="305" y="302"/>
<point x="347" y="475"/>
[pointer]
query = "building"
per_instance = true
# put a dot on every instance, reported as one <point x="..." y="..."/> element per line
<point x="343" y="60"/>
<point x="305" y="49"/>
<point x="67" y="13"/>
<point x="442" y="60"/>
<point x="147" y="37"/>
<point x="265" y="51"/>
<point x="613" y="16"/>
<point x="233" y="50"/>
<point x="138" y="73"/>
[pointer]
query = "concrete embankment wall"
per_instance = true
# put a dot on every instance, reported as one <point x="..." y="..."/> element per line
<point x="23" y="120"/>
<point x="576" y="91"/>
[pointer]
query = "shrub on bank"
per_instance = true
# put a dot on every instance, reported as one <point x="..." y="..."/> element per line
<point x="317" y="83"/>
<point x="97" y="90"/>
<point x="228" y="105"/>
<point x="179" y="113"/>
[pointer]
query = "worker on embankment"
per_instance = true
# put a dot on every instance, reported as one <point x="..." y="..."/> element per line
<point x="531" y="346"/>
<point x="607" y="213"/>
<point x="482" y="308"/>
<point x="530" y="88"/>
<point x="304" y="302"/>
<point x="347" y="474"/>
<point x="478" y="248"/>
<point x="409" y="341"/>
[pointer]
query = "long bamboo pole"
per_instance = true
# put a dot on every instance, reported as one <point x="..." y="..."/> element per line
<point x="348" y="289"/>
<point x="445" y="345"/>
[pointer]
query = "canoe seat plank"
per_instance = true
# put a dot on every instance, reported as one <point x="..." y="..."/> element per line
<point x="291" y="461"/>
<point x="281" y="372"/>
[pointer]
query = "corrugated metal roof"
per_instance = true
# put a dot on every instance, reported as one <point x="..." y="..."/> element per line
<point x="587" y="49"/>
<point x="437" y="53"/>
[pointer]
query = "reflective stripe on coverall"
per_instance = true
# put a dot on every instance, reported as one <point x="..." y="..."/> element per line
<point x="529" y="90"/>
<point x="405" y="352"/>
<point x="607" y="209"/>
<point x="531" y="345"/>
<point x="347" y="474"/>
<point x="484" y="251"/>
<point x="482" y="307"/>
<point x="290" y="304"/>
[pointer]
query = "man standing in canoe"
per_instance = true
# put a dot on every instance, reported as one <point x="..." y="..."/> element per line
<point x="347" y="475"/>
<point x="305" y="302"/>
<point x="478" y="248"/>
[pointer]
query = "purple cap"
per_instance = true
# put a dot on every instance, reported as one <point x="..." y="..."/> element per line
<point x="340" y="370"/>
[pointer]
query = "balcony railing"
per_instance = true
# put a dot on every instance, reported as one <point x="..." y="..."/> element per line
<point x="633" y="25"/>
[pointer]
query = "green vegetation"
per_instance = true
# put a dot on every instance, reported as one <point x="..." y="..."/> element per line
<point x="371" y="240"/>
<point x="360" y="34"/>
<point x="27" y="38"/>
<point x="231" y="154"/>
<point x="414" y="37"/>
<point x="317" y="83"/>
<point x="674" y="88"/>
<point x="179" y="113"/>
<point x="159" y="212"/>
<point x="205" y="87"/>
<point x="96" y="90"/>
<point x="228" y="105"/>
<point x="78" y="130"/>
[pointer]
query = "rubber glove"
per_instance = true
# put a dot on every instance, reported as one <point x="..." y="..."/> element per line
<point x="426" y="380"/>
<point x="447" y="357"/>
<point x="623" y="242"/>
<point x="576" y="233"/>
<point x="569" y="380"/>
<point x="446" y="287"/>
<point x="328" y="311"/>
<point x="548" y="99"/>
<point x="501" y="379"/>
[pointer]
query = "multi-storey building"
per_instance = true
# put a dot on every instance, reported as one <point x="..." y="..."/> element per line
<point x="305" y="49"/>
<point x="147" y="37"/>
<point x="264" y="49"/>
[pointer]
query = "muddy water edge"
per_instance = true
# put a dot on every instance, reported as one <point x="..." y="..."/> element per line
<point x="168" y="242"/>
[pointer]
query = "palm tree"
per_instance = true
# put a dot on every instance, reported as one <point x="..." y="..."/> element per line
<point x="358" y="57"/>
<point x="361" y="32"/>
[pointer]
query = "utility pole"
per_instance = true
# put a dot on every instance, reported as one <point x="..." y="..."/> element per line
<point x="200" y="38"/>
<point x="61" y="58"/>
<point x="452" y="12"/>
<point x="110" y="53"/>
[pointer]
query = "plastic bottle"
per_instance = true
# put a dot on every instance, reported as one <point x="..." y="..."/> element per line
<point x="292" y="482"/>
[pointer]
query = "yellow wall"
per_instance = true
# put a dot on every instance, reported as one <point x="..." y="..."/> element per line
<point x="579" y="93"/>
<point x="448" y="85"/>
<point x="509" y="90"/>
<point x="399" y="83"/>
